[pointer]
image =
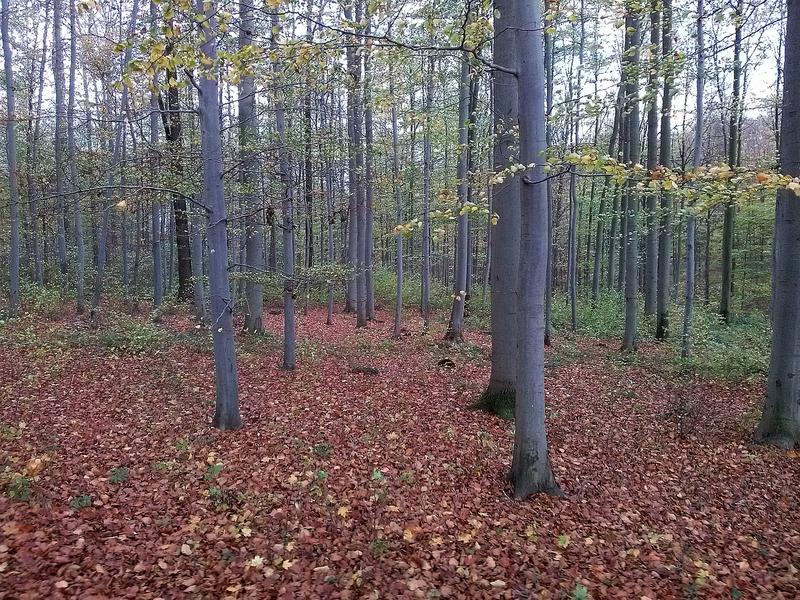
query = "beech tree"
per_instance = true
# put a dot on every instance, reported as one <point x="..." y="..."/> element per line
<point x="530" y="469"/>
<point x="11" y="154"/>
<point x="780" y="421"/>
<point x="226" y="415"/>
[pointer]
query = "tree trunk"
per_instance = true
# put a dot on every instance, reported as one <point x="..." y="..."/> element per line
<point x="697" y="160"/>
<point x="427" y="170"/>
<point x="11" y="154"/>
<point x="455" y="328"/>
<point x="530" y="469"/>
<point x="226" y="414"/>
<point x="60" y="131"/>
<point x="780" y="422"/>
<point x="733" y="155"/>
<point x="633" y="35"/>
<point x="248" y="138"/>
<point x="287" y="213"/>
<point x="398" y="215"/>
<point x="651" y="239"/>
<point x="665" y="229"/>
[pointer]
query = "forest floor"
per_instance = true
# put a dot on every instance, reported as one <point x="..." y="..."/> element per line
<point x="346" y="484"/>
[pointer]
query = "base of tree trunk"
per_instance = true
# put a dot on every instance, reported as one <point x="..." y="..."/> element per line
<point x="453" y="337"/>
<point x="525" y="485"/>
<point x="779" y="439"/>
<point x="253" y="325"/>
<point x="497" y="401"/>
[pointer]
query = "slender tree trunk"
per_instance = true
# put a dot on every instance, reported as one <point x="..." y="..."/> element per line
<point x="530" y="469"/>
<point x="398" y="214"/>
<point x="155" y="213"/>
<point x="369" y="185"/>
<point x="455" y="328"/>
<point x="287" y="213"/>
<point x="632" y="202"/>
<point x="651" y="239"/>
<point x="427" y="170"/>
<point x="354" y="79"/>
<point x="248" y="138"/>
<point x="11" y="154"/>
<point x="60" y="134"/>
<point x="549" y="67"/>
<point x="226" y="414"/>
<point x="697" y="160"/>
<point x="733" y="145"/>
<point x="665" y="229"/>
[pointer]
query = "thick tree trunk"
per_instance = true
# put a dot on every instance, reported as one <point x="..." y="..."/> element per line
<point x="226" y="414"/>
<point x="504" y="275"/>
<point x="11" y="154"/>
<point x="530" y="469"/>
<point x="780" y="422"/>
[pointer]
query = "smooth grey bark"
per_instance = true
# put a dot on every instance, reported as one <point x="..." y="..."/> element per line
<point x="287" y="214"/>
<point x="651" y="217"/>
<point x="398" y="215"/>
<point x="155" y="210"/>
<point x="455" y="327"/>
<point x="353" y="93"/>
<point x="633" y="35"/>
<point x="226" y="414"/>
<point x="248" y="137"/>
<point x="506" y="203"/>
<point x="427" y="170"/>
<point x="361" y="200"/>
<point x="665" y="228"/>
<point x="11" y="155"/>
<point x="697" y="160"/>
<point x="729" y="218"/>
<point x="530" y="469"/>
<point x="369" y="183"/>
<point x="80" y="251"/>
<point x="780" y="421"/>
<point x="33" y="156"/>
<point x="60" y="134"/>
<point x="198" y="286"/>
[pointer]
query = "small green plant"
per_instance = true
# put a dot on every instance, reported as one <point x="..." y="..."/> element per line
<point x="580" y="593"/>
<point x="377" y="475"/>
<point x="118" y="475"/>
<point x="213" y="471"/>
<point x="407" y="477"/>
<point x="20" y="488"/>
<point x="79" y="502"/>
<point x="323" y="449"/>
<point x="164" y="466"/>
<point x="182" y="445"/>
<point x="378" y="547"/>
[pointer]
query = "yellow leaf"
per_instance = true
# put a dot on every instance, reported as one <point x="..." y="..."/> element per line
<point x="343" y="511"/>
